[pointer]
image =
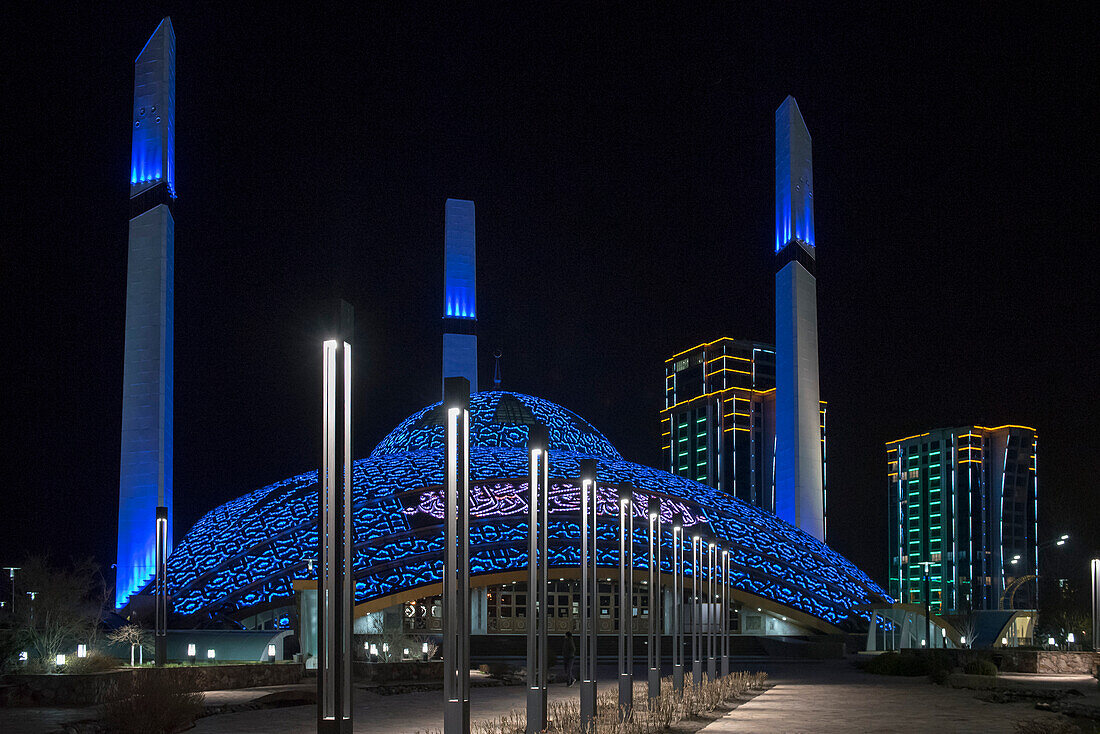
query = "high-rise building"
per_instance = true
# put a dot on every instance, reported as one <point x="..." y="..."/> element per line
<point x="718" y="423"/>
<point x="460" y="293"/>
<point x="145" y="481"/>
<point x="799" y="477"/>
<point x="963" y="501"/>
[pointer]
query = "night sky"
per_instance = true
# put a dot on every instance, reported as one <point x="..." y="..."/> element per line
<point x="622" y="166"/>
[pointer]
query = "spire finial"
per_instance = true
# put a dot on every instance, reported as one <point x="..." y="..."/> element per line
<point x="496" y="369"/>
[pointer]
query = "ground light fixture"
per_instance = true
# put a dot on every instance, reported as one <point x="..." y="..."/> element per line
<point x="210" y="654"/>
<point x="1004" y="641"/>
<point x="60" y="659"/>
<point x="1070" y="639"/>
<point x="271" y="652"/>
<point x="23" y="657"/>
<point x="82" y="651"/>
<point x="191" y="652"/>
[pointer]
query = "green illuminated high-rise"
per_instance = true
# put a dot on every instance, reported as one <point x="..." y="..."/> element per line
<point x="718" y="423"/>
<point x="963" y="505"/>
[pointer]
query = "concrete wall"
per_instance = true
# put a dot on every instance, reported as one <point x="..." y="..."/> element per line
<point x="94" y="688"/>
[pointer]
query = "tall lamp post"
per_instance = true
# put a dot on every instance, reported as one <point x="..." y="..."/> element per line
<point x="334" y="703"/>
<point x="456" y="558"/>
<point x="696" y="613"/>
<point x="653" y="644"/>
<point x="678" y="602"/>
<point x="1096" y="603"/>
<point x="160" y="637"/>
<point x="11" y="575"/>
<point x="536" y="579"/>
<point x="712" y="630"/>
<point x="626" y="601"/>
<point x="926" y="592"/>
<point x="725" y="612"/>
<point x="590" y="599"/>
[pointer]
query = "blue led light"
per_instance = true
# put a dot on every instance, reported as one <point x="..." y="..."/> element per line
<point x="794" y="202"/>
<point x="249" y="551"/>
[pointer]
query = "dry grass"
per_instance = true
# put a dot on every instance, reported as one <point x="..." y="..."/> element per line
<point x="152" y="705"/>
<point x="649" y="715"/>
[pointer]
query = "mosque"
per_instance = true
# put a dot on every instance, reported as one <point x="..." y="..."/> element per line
<point x="251" y="560"/>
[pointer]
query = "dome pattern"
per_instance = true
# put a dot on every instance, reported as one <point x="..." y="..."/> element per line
<point x="500" y="420"/>
<point x="247" y="553"/>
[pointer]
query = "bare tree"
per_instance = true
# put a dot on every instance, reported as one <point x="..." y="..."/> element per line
<point x="60" y="608"/>
<point x="132" y="635"/>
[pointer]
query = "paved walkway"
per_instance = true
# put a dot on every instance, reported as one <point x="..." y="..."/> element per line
<point x="835" y="697"/>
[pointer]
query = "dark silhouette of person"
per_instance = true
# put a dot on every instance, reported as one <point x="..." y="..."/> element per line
<point x="567" y="652"/>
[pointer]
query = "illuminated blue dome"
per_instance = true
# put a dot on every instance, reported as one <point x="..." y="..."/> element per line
<point x="500" y="420"/>
<point x="245" y="555"/>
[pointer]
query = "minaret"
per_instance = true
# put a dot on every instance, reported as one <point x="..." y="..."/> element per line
<point x="799" y="495"/>
<point x="459" y="293"/>
<point x="146" y="465"/>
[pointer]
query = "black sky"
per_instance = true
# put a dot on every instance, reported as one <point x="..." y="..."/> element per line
<point x="621" y="163"/>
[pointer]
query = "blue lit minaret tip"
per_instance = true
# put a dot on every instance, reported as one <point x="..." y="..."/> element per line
<point x="153" y="152"/>
<point x="460" y="292"/>
<point x="794" y="180"/>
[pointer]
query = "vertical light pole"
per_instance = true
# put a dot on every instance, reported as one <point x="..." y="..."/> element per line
<point x="712" y="628"/>
<point x="456" y="558"/>
<point x="1096" y="603"/>
<point x="536" y="579"/>
<point x="160" y="634"/>
<point x="590" y="599"/>
<point x="11" y="574"/>
<point x="678" y="602"/>
<point x="626" y="601"/>
<point x="926" y="592"/>
<point x="653" y="645"/>
<point x="696" y="614"/>
<point x="334" y="702"/>
<point x="725" y="612"/>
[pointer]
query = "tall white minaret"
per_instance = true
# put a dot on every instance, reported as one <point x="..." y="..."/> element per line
<point x="145" y="476"/>
<point x="460" y="293"/>
<point x="799" y="494"/>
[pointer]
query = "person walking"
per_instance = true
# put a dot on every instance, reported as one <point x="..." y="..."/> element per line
<point x="568" y="650"/>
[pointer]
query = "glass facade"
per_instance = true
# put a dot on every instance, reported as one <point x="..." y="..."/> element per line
<point x="963" y="505"/>
<point x="718" y="423"/>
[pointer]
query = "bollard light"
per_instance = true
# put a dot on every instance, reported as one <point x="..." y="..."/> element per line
<point x="271" y="651"/>
<point x="962" y="640"/>
<point x="60" y="659"/>
<point x="1070" y="639"/>
<point x="374" y="650"/>
<point x="1004" y="641"/>
<point x="210" y="654"/>
<point x="82" y="651"/>
<point x="1050" y="641"/>
<point x="23" y="657"/>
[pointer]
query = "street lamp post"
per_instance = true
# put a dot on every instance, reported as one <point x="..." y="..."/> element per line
<point x="1096" y="603"/>
<point x="696" y="613"/>
<point x="927" y="593"/>
<point x="536" y="580"/>
<point x="11" y="574"/>
<point x="456" y="558"/>
<point x="626" y="601"/>
<point x="725" y="612"/>
<point x="678" y="602"/>
<point x="334" y="698"/>
<point x="590" y="599"/>
<point x="160" y="639"/>
<point x="653" y="646"/>
<point x="712" y="630"/>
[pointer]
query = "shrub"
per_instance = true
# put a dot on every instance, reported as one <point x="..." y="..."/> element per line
<point x="892" y="663"/>
<point x="980" y="667"/>
<point x="939" y="675"/>
<point x="152" y="705"/>
<point x="1045" y="726"/>
<point x="95" y="662"/>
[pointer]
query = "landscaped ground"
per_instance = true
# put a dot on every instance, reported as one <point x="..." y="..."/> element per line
<point x="811" y="696"/>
